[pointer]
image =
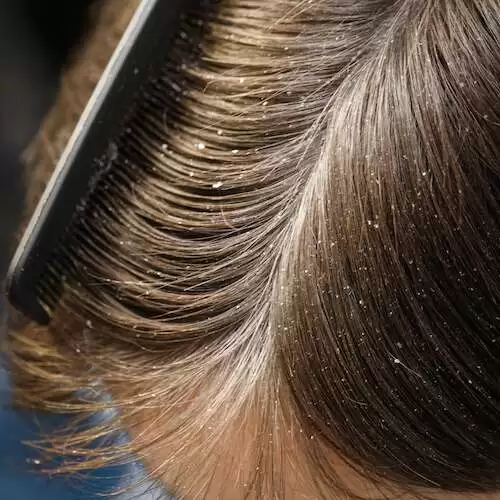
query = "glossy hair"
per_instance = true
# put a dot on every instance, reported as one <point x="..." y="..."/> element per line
<point x="300" y="228"/>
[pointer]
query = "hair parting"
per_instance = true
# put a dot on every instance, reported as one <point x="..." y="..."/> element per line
<point x="289" y="276"/>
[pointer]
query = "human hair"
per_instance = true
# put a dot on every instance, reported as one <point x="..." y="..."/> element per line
<point x="290" y="269"/>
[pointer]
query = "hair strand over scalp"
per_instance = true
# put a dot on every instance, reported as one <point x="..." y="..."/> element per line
<point x="294" y="255"/>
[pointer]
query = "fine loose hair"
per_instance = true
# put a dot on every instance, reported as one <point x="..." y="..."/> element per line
<point x="296" y="247"/>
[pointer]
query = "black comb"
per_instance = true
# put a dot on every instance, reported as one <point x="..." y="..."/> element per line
<point x="153" y="25"/>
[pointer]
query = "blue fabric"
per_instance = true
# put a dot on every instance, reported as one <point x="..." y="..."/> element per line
<point x="20" y="481"/>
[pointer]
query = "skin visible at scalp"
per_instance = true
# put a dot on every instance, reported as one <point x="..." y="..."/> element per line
<point x="288" y="280"/>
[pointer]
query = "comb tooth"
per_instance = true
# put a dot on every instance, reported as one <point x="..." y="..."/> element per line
<point x="36" y="276"/>
<point x="60" y="268"/>
<point x="49" y="289"/>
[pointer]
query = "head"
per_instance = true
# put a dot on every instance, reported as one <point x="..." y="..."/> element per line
<point x="288" y="281"/>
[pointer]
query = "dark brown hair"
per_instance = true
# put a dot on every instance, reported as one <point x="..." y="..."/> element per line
<point x="291" y="268"/>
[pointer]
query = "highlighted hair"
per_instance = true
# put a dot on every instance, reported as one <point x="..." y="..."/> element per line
<point x="300" y="228"/>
